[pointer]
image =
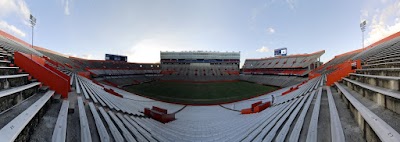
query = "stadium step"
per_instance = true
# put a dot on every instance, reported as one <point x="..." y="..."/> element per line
<point x="7" y="115"/>
<point x="8" y="70"/>
<point x="15" y="80"/>
<point x="94" y="134"/>
<point x="47" y="124"/>
<point x="4" y="63"/>
<point x="85" y="129"/>
<point x="324" y="120"/>
<point x="299" y="120"/>
<point x="373" y="126"/>
<point x="11" y="96"/>
<point x="100" y="126"/>
<point x="380" y="71"/>
<point x="381" y="96"/>
<point x="73" y="129"/>
<point x="351" y="130"/>
<point x="16" y="129"/>
<point x="308" y="119"/>
<point x="389" y="82"/>
<point x="336" y="128"/>
<point x="60" y="130"/>
<point x="385" y="114"/>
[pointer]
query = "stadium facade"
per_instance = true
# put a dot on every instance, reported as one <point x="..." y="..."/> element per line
<point x="200" y="65"/>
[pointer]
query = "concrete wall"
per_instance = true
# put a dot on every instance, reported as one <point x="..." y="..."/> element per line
<point x="14" y="99"/>
<point x="8" y="71"/>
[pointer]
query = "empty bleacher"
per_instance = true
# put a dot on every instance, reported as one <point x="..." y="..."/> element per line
<point x="372" y="93"/>
<point x="297" y="65"/>
<point x="23" y="101"/>
<point x="207" y="72"/>
<point x="363" y="106"/>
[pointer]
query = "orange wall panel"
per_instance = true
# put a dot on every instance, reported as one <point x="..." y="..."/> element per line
<point x="48" y="77"/>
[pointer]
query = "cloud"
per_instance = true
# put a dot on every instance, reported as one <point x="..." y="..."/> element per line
<point x="66" y="7"/>
<point x="24" y="11"/>
<point x="263" y="49"/>
<point x="292" y="4"/>
<point x="87" y="56"/>
<point x="71" y="54"/>
<point x="147" y="50"/>
<point x="12" y="8"/>
<point x="11" y="29"/>
<point x="271" y="30"/>
<point x="382" y="23"/>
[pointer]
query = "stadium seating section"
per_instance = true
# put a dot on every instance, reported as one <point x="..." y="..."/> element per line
<point x="298" y="65"/>
<point x="211" y="72"/>
<point x="363" y="106"/>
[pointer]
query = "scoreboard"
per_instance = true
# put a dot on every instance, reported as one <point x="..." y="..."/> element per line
<point x="280" y="52"/>
<point x="113" y="57"/>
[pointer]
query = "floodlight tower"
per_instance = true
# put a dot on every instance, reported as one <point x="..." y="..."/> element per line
<point x="362" y="27"/>
<point x="33" y="23"/>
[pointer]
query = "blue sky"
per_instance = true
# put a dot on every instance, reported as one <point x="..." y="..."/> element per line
<point x="141" y="29"/>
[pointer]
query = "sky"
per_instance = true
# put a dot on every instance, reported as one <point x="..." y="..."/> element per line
<point x="141" y="29"/>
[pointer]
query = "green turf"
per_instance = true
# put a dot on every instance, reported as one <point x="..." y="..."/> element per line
<point x="200" y="93"/>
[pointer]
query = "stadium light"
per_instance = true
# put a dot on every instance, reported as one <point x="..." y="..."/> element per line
<point x="33" y="23"/>
<point x="362" y="27"/>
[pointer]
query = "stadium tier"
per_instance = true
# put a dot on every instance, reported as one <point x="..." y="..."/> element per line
<point x="298" y="65"/>
<point x="98" y="67"/>
<point x="200" y="65"/>
<point x="274" y="80"/>
<point x="353" y="97"/>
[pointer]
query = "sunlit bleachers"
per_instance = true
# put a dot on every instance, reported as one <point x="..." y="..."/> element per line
<point x="298" y="65"/>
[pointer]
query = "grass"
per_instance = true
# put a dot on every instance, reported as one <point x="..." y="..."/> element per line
<point x="200" y="93"/>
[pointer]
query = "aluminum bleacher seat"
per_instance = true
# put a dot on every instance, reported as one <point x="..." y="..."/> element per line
<point x="378" y="94"/>
<point x="139" y="137"/>
<point x="382" y="130"/>
<point x="101" y="128"/>
<point x="312" y="130"/>
<point x="12" y="130"/>
<point x="83" y="121"/>
<point x="60" y="130"/>
<point x="127" y="135"/>
<point x="336" y="126"/>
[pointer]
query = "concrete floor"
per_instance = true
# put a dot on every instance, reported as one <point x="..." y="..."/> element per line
<point x="10" y="114"/>
<point x="44" y="131"/>
<point x="324" y="123"/>
<point x="351" y="130"/>
<point x="74" y="127"/>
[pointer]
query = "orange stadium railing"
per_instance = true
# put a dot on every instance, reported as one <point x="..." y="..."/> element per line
<point x="342" y="70"/>
<point x="35" y="67"/>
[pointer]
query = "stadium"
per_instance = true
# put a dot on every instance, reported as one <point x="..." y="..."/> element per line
<point x="200" y="95"/>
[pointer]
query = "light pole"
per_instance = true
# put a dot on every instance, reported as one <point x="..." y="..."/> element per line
<point x="33" y="23"/>
<point x="362" y="27"/>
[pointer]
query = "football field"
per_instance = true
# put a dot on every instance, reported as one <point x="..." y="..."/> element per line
<point x="200" y="93"/>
